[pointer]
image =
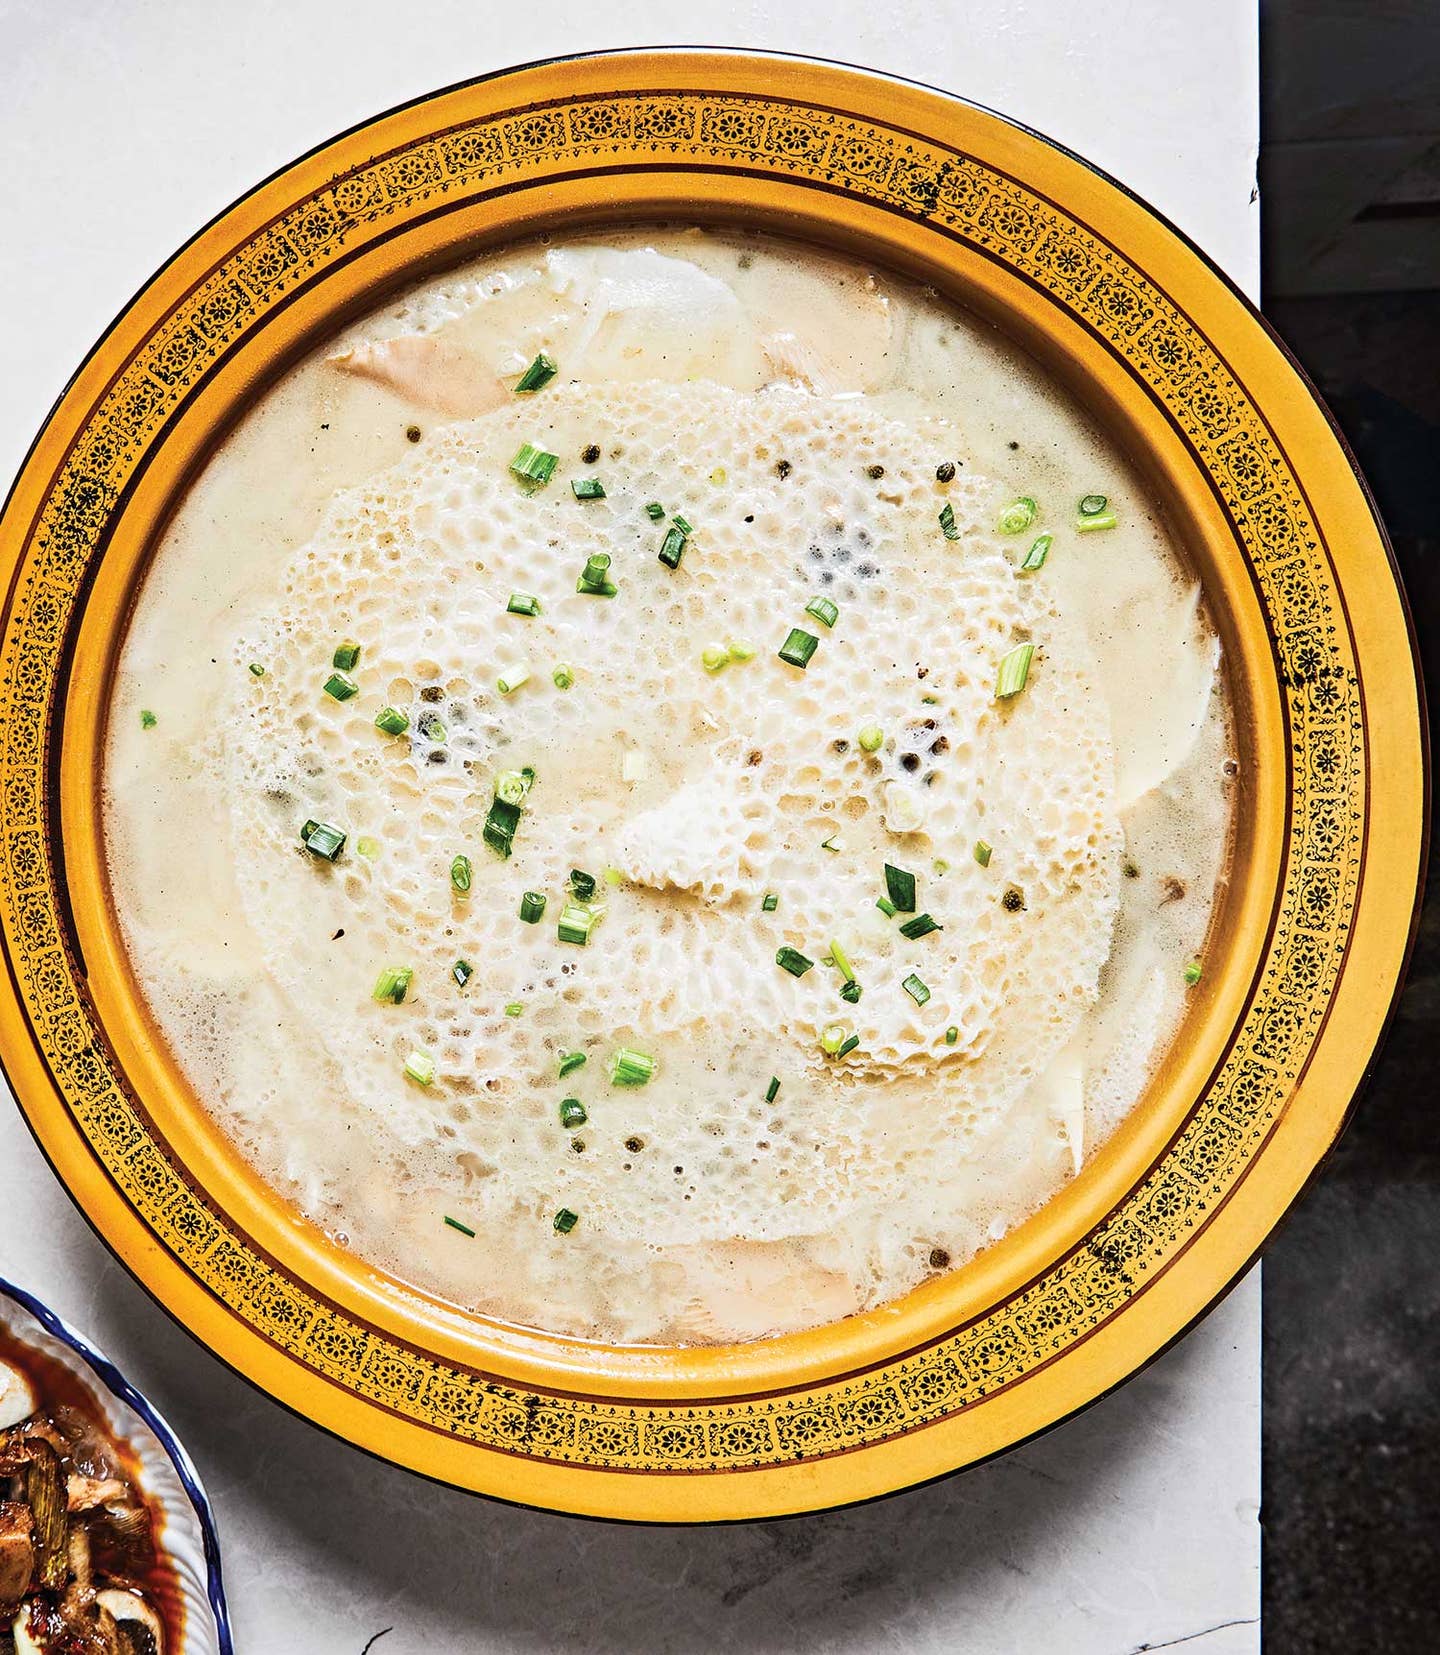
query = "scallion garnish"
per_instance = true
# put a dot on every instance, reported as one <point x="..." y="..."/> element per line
<point x="257" y="670"/>
<point x="392" y="721"/>
<point x="824" y="611"/>
<point x="871" y="738"/>
<point x="685" y="526"/>
<point x="500" y="824"/>
<point x="631" y="1068"/>
<point x="540" y="372"/>
<point x="982" y="853"/>
<point x="948" y="525"/>
<point x="392" y="984"/>
<point x="577" y="920"/>
<point x="613" y="877"/>
<point x="921" y="926"/>
<point x="1193" y="973"/>
<point x="587" y="488"/>
<point x="714" y="656"/>
<point x="851" y="992"/>
<point x="511" y="678"/>
<point x="1017" y="516"/>
<point x="563" y="677"/>
<point x="514" y="785"/>
<point x="886" y="907"/>
<point x="341" y="686"/>
<point x="581" y="884"/>
<point x="420" y="1067"/>
<point x="1101" y="520"/>
<point x="460" y="873"/>
<point x="148" y="720"/>
<point x="1013" y="670"/>
<point x="900" y="888"/>
<point x="572" y="1114"/>
<point x="740" y="649"/>
<point x="772" y="1091"/>
<point x="769" y="902"/>
<point x="798" y="648"/>
<point x="672" y="547"/>
<point x="464" y="1229"/>
<point x="851" y="1043"/>
<point x="1092" y="505"/>
<point x="916" y="989"/>
<point x="347" y="656"/>
<point x="952" y="1034"/>
<point x="533" y="465"/>
<point x="367" y="847"/>
<point x="320" y="839"/>
<point x="831" y="844"/>
<point x="793" y="961"/>
<point x="522" y="603"/>
<point x="532" y="907"/>
<point x="432" y="728"/>
<point x="842" y="962"/>
<point x="654" y="511"/>
<point x="1039" y="551"/>
<point x="515" y="1008"/>
<point x="595" y="579"/>
<point x="570" y="1061"/>
<point x="832" y="1037"/>
<point x="462" y="971"/>
<point x="565" y="1221"/>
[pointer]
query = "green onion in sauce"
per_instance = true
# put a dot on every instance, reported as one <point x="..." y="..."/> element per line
<point x="1193" y="973"/>
<point x="420" y="1067"/>
<point x="582" y="884"/>
<point x="1093" y="505"/>
<point x="464" y="1229"/>
<point x="347" y="656"/>
<point x="563" y="677"/>
<point x="1039" y="551"/>
<point x="321" y="839"/>
<point x="587" y="488"/>
<point x="631" y="1068"/>
<point x="572" y="1114"/>
<point x="540" y="372"/>
<point x="577" y="920"/>
<point x="392" y="983"/>
<point x="1017" y="516"/>
<point x="871" y="738"/>
<point x="824" y="610"/>
<point x="654" y="511"/>
<point x="769" y="902"/>
<point x="532" y="907"/>
<point x="392" y="721"/>
<point x="462" y="971"/>
<point x="533" y="465"/>
<point x="793" y="961"/>
<point x="916" y="989"/>
<point x="595" y="579"/>
<point x="900" y="888"/>
<point x="461" y="870"/>
<point x="921" y="926"/>
<point x="500" y="824"/>
<point x="257" y="670"/>
<point x="341" y="686"/>
<point x="850" y="993"/>
<point x="772" y="1091"/>
<point x="983" y="853"/>
<point x="523" y="603"/>
<point x="565" y="1221"/>
<point x="672" y="547"/>
<point x="570" y="1061"/>
<point x="1013" y="670"/>
<point x="148" y="720"/>
<point x="798" y="648"/>
<point x="948" y="526"/>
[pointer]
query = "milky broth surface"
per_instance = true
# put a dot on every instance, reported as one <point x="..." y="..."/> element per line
<point x="794" y="1104"/>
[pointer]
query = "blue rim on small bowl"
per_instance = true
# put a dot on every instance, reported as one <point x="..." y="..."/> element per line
<point x="190" y="1534"/>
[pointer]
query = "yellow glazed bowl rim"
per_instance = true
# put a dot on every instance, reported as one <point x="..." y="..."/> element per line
<point x="1306" y="953"/>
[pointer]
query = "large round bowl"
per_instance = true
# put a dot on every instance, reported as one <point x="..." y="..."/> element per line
<point x="1309" y="944"/>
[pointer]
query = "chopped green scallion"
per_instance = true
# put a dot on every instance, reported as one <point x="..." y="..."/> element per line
<point x="654" y="511"/>
<point x="320" y="839"/>
<point x="257" y="670"/>
<point x="1013" y="670"/>
<point x="849" y="1046"/>
<point x="1102" y="520"/>
<point x="948" y="525"/>
<point x="900" y="888"/>
<point x="367" y="847"/>
<point x="532" y="907"/>
<point x="672" y="547"/>
<point x="533" y="465"/>
<point x="522" y="603"/>
<point x="420" y="1067"/>
<point x="581" y="884"/>
<point x="513" y="786"/>
<point x="631" y="1068"/>
<point x="577" y="920"/>
<point x="714" y="656"/>
<point x="500" y="825"/>
<point x="798" y="648"/>
<point x="1193" y="973"/>
<point x="916" y="989"/>
<point x="1017" y="516"/>
<point x="685" y="526"/>
<point x="824" y="610"/>
<point x="1093" y="505"/>
<point x="832" y="1037"/>
<point x="769" y="902"/>
<point x="347" y="656"/>
<point x="842" y="962"/>
<point x="921" y="926"/>
<point x="460" y="873"/>
<point x="871" y="738"/>
<point x="832" y="844"/>
<point x="462" y="971"/>
<point x="739" y="649"/>
<point x="565" y="1221"/>
<point x="793" y="961"/>
<point x="432" y="727"/>
<point x="341" y="686"/>
<point x="563" y="677"/>
<point x="392" y="983"/>
<point x="148" y="720"/>
<point x="572" y="1114"/>
<point x="772" y="1091"/>
<point x="464" y="1229"/>
<point x="570" y="1061"/>
<point x="886" y="907"/>
<point x="511" y="678"/>
<point x="587" y="488"/>
<point x="851" y="993"/>
<point x="392" y="721"/>
<point x="540" y="372"/>
<point x="952" y="1034"/>
<point x="1039" y="551"/>
<point x="515" y="1008"/>
<point x="595" y="579"/>
<point x="982" y="853"/>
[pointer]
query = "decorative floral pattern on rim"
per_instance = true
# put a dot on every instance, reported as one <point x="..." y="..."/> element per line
<point x="1297" y="587"/>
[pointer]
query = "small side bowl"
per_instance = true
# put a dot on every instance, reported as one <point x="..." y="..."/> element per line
<point x="168" y="1478"/>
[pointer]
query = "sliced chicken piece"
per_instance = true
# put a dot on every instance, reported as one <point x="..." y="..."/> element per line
<point x="17" y="1554"/>
<point x="84" y="1493"/>
<point x="428" y="370"/>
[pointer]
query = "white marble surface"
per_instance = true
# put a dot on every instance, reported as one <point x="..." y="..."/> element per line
<point x="124" y="125"/>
